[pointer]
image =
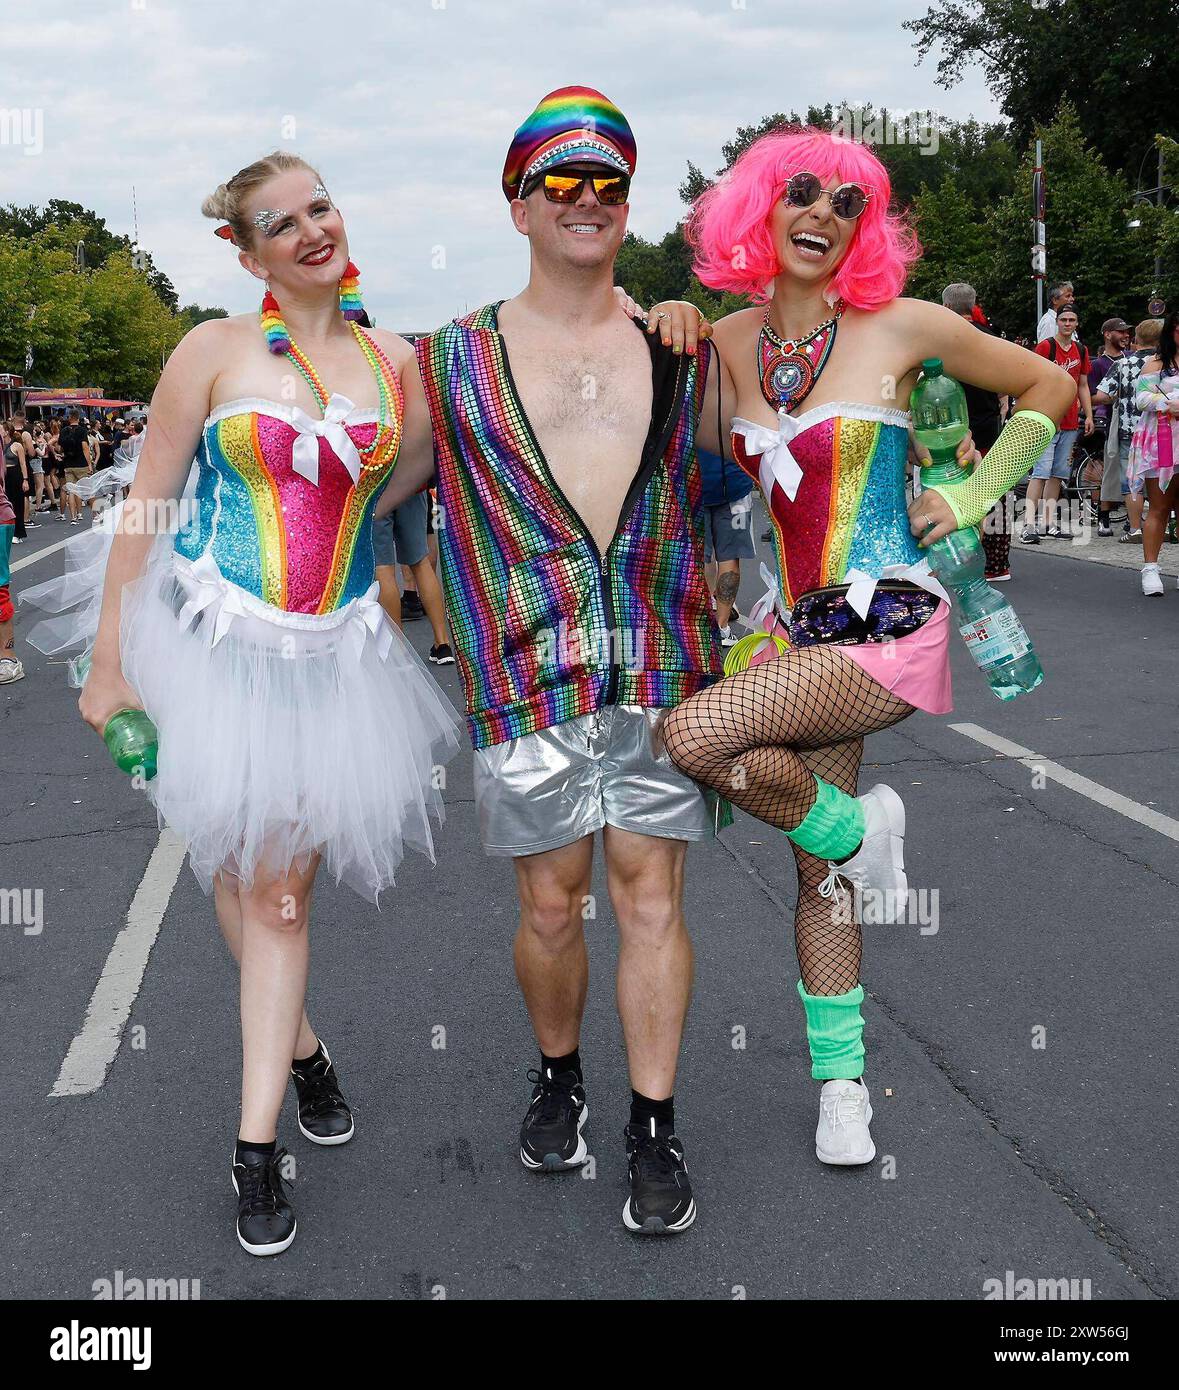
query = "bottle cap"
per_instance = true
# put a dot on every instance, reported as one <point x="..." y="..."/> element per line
<point x="932" y="366"/>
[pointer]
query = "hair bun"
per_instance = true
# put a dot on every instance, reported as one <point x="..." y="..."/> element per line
<point x="217" y="204"/>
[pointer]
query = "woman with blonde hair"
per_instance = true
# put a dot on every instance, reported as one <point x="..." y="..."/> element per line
<point x="296" y="726"/>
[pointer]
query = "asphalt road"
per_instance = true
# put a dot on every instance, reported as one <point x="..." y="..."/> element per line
<point x="1021" y="1056"/>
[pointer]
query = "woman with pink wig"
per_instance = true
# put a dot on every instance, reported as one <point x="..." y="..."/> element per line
<point x="815" y="381"/>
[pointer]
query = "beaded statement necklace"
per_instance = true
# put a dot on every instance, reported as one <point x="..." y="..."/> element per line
<point x="790" y="368"/>
<point x="387" y="440"/>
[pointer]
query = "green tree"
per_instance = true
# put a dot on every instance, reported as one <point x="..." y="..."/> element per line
<point x="41" y="309"/>
<point x="75" y="223"/>
<point x="194" y="314"/>
<point x="953" y="240"/>
<point x="650" y="270"/>
<point x="1158" y="225"/>
<point x="129" y="332"/>
<point x="1117" y="59"/>
<point x="69" y="225"/>
<point x="1088" y="239"/>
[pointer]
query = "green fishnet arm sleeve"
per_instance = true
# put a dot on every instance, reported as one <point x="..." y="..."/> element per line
<point x="1021" y="442"/>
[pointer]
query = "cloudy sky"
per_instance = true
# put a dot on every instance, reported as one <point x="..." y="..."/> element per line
<point x="407" y="108"/>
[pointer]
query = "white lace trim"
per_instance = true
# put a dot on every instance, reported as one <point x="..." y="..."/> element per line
<point x="189" y="573"/>
<point x="852" y="410"/>
<point x="258" y="405"/>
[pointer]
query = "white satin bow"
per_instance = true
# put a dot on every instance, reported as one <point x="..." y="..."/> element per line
<point x="862" y="586"/>
<point x="770" y="605"/>
<point x="206" y="586"/>
<point x="305" y="453"/>
<point x="369" y="619"/>
<point x="778" y="464"/>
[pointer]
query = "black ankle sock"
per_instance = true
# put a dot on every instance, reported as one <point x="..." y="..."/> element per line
<point x="643" y="1110"/>
<point x="247" y="1152"/>
<point x="570" y="1062"/>
<point x="303" y="1063"/>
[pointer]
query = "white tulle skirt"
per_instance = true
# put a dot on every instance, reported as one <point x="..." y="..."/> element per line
<point x="281" y="735"/>
<point x="105" y="482"/>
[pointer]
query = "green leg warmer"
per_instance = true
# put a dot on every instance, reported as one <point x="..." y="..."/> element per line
<point x="835" y="1033"/>
<point x="834" y="826"/>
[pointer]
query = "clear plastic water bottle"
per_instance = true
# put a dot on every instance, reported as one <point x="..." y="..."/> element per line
<point x="131" y="738"/>
<point x="990" y="627"/>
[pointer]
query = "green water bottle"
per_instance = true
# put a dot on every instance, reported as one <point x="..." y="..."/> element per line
<point x="130" y="737"/>
<point x="990" y="627"/>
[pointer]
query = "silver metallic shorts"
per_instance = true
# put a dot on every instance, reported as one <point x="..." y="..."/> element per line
<point x="555" y="786"/>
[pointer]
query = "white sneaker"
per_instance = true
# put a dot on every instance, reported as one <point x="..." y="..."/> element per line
<point x="1152" y="581"/>
<point x="726" y="636"/>
<point x="11" y="670"/>
<point x="878" y="867"/>
<point x="845" y="1113"/>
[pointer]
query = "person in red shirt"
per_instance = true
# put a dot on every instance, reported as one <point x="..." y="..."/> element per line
<point x="1052" y="467"/>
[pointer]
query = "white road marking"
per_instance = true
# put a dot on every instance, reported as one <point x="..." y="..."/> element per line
<point x="1115" y="801"/>
<point x="40" y="555"/>
<point x="93" y="1050"/>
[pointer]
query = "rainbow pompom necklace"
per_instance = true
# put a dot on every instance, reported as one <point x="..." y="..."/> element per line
<point x="387" y="440"/>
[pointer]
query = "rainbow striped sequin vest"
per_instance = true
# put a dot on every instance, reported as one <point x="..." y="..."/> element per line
<point x="545" y="627"/>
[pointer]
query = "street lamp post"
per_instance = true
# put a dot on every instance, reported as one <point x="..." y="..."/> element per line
<point x="1144" y="195"/>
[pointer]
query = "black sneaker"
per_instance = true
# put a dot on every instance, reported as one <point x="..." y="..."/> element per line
<point x="411" y="606"/>
<point x="266" y="1222"/>
<point x="660" y="1201"/>
<point x="441" y="655"/>
<point x="1028" y="536"/>
<point x="550" y="1137"/>
<point x="324" y="1117"/>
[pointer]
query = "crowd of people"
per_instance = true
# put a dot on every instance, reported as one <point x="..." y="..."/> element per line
<point x="56" y="470"/>
<point x="1127" y="411"/>
<point x="46" y="462"/>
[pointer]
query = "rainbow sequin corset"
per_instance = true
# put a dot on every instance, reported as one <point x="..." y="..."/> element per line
<point x="283" y="504"/>
<point x="833" y="479"/>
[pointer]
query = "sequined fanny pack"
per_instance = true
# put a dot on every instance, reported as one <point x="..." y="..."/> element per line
<point x="824" y="616"/>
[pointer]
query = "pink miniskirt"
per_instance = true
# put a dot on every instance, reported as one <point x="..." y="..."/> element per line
<point x="915" y="667"/>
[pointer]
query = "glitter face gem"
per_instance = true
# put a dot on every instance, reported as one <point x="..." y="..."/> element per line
<point x="265" y="218"/>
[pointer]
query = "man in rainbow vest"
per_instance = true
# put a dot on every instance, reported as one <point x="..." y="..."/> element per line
<point x="571" y="543"/>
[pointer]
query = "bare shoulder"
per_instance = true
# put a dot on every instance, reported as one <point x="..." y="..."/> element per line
<point x="396" y="348"/>
<point x="738" y="327"/>
<point x="218" y="335"/>
<point x="906" y="316"/>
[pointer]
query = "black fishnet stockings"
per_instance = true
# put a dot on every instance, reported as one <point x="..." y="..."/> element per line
<point x="760" y="738"/>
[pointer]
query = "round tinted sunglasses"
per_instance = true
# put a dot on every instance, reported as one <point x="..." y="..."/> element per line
<point x="611" y="189"/>
<point x="848" y="201"/>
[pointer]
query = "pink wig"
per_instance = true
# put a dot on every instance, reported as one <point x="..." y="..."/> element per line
<point x="729" y="228"/>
